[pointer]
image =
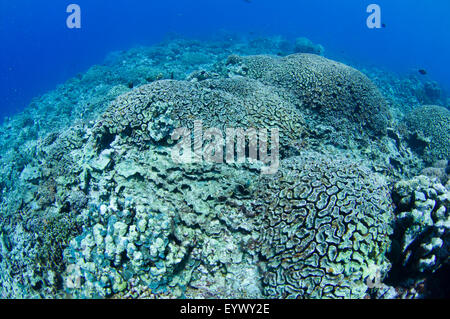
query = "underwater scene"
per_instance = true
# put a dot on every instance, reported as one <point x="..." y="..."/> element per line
<point x="239" y="149"/>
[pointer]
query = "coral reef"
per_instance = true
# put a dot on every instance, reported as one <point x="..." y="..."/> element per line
<point x="150" y="112"/>
<point x="422" y="226"/>
<point x="157" y="231"/>
<point x="304" y="45"/>
<point x="343" y="97"/>
<point x="93" y="206"/>
<point x="325" y="228"/>
<point x="430" y="132"/>
<point x="432" y="93"/>
<point x="439" y="170"/>
<point x="419" y="247"/>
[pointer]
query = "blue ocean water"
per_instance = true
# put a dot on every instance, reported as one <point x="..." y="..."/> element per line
<point x="38" y="51"/>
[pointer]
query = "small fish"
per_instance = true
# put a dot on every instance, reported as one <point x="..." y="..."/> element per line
<point x="423" y="72"/>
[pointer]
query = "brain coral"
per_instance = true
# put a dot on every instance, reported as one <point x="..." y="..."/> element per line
<point x="325" y="228"/>
<point x="150" y="112"/>
<point x="273" y="92"/>
<point x="338" y="92"/>
<point x="432" y="122"/>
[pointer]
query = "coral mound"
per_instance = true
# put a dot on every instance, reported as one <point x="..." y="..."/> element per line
<point x="336" y="91"/>
<point x="430" y="124"/>
<point x="325" y="228"/>
<point x="150" y="112"/>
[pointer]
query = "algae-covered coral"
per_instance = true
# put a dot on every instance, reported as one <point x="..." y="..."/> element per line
<point x="93" y="204"/>
<point x="430" y="131"/>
